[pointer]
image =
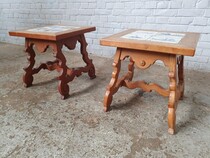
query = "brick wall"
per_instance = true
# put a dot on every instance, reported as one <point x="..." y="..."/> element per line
<point x="112" y="16"/>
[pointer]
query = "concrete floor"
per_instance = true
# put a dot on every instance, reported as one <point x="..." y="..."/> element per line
<point x="35" y="122"/>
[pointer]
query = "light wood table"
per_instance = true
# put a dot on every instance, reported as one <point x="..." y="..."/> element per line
<point x="56" y="37"/>
<point x="144" y="47"/>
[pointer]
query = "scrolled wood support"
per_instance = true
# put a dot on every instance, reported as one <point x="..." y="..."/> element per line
<point x="63" y="81"/>
<point x="50" y="65"/>
<point x="30" y="70"/>
<point x="28" y="76"/>
<point x="147" y="87"/>
<point x="90" y="68"/>
<point x="112" y="87"/>
<point x="172" y="103"/>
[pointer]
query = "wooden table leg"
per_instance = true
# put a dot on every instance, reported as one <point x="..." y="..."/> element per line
<point x="28" y="76"/>
<point x="181" y="75"/>
<point x="83" y="50"/>
<point x="63" y="87"/>
<point x="111" y="88"/>
<point x="172" y="94"/>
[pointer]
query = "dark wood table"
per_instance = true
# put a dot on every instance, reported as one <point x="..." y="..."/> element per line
<point x="56" y="37"/>
<point x="144" y="48"/>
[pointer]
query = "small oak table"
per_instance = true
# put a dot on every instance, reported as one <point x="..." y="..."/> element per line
<point x="144" y="47"/>
<point x="56" y="36"/>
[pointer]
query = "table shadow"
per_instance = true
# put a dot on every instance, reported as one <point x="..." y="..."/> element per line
<point x="129" y="103"/>
<point x="45" y="82"/>
<point x="196" y="115"/>
<point x="87" y="89"/>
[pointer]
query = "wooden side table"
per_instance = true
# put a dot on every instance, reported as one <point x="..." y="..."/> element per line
<point x="56" y="37"/>
<point x="144" y="47"/>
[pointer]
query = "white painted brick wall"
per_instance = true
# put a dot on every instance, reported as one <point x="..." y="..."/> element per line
<point x="112" y="16"/>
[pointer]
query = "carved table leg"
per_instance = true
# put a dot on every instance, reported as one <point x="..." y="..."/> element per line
<point x="28" y="76"/>
<point x="172" y="95"/>
<point x="112" y="85"/>
<point x="63" y="81"/>
<point x="91" y="71"/>
<point x="181" y="75"/>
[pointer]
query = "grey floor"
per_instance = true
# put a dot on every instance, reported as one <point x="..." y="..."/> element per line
<point x="35" y="122"/>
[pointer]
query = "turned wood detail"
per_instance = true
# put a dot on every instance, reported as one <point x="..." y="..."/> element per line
<point x="66" y="74"/>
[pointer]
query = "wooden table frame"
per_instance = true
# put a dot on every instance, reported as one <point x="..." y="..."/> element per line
<point x="144" y="54"/>
<point x="56" y="41"/>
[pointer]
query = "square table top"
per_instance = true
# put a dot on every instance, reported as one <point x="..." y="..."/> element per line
<point x="53" y="32"/>
<point x="180" y="43"/>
